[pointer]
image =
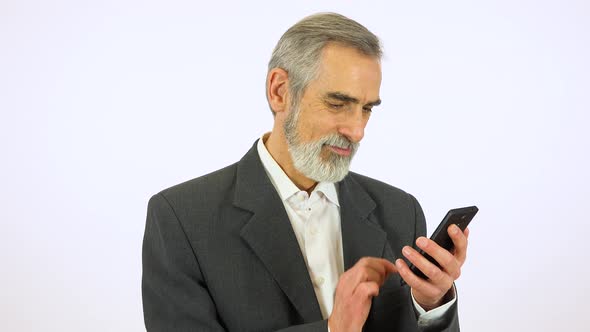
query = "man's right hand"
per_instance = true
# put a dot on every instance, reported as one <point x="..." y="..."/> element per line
<point x="354" y="292"/>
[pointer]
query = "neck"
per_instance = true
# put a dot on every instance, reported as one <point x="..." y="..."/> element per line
<point x="276" y="144"/>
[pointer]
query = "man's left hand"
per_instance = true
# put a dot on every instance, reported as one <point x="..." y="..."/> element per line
<point x="432" y="293"/>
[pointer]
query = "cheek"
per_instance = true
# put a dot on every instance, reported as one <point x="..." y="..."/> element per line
<point x="316" y="123"/>
<point x="323" y="127"/>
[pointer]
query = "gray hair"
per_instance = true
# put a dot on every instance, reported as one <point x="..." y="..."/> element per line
<point x="299" y="49"/>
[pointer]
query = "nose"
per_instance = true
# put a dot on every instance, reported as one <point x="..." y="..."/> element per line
<point x="354" y="127"/>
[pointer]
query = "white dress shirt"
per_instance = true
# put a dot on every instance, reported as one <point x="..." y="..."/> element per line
<point x="315" y="220"/>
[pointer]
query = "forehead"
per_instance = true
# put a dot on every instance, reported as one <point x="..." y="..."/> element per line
<point x="347" y="70"/>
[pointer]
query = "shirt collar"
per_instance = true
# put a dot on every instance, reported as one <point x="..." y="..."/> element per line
<point x="284" y="186"/>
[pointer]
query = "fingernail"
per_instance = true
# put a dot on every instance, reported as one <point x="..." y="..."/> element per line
<point x="421" y="242"/>
<point x="454" y="229"/>
<point x="406" y="251"/>
<point x="398" y="263"/>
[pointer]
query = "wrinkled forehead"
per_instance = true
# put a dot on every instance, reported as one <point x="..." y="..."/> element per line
<point x="348" y="71"/>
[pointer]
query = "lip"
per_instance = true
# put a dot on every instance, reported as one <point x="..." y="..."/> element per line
<point x="340" y="151"/>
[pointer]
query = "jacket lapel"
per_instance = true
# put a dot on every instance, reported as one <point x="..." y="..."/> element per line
<point x="270" y="235"/>
<point x="361" y="237"/>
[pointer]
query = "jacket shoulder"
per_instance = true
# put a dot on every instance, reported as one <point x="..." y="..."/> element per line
<point x="203" y="190"/>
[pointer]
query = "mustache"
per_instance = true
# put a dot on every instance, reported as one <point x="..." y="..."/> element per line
<point x="338" y="141"/>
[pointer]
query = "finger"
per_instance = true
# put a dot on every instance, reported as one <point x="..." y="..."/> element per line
<point x="364" y="274"/>
<point x="436" y="275"/>
<point x="460" y="243"/>
<point x="379" y="264"/>
<point x="366" y="290"/>
<point x="389" y="266"/>
<point x="366" y="269"/>
<point x="413" y="280"/>
<point x="372" y="269"/>
<point x="447" y="261"/>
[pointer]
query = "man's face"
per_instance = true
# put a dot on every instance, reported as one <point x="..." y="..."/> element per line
<point x="324" y="129"/>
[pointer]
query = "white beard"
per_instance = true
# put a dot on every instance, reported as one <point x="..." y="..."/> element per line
<point x="307" y="157"/>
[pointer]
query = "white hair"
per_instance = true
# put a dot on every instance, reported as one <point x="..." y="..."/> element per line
<point x="299" y="49"/>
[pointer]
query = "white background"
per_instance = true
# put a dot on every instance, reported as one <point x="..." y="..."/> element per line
<point x="105" y="103"/>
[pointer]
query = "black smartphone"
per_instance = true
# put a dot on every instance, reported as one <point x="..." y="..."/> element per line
<point x="460" y="217"/>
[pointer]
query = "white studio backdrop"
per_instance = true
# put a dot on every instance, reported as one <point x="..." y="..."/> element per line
<point x="104" y="103"/>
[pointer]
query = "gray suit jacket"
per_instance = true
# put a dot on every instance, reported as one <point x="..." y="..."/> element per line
<point x="219" y="254"/>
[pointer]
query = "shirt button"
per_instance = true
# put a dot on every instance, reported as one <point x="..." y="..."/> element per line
<point x="320" y="281"/>
<point x="313" y="231"/>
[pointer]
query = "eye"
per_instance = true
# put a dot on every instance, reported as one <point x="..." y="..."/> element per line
<point x="367" y="109"/>
<point x="336" y="106"/>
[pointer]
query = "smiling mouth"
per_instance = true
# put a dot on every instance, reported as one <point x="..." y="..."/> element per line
<point x="345" y="152"/>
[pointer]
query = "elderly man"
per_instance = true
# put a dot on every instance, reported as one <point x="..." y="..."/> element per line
<point x="287" y="239"/>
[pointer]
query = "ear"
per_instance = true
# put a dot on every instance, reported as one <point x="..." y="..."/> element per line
<point x="277" y="89"/>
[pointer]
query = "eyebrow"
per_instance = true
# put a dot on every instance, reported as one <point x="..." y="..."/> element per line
<point x="349" y="99"/>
